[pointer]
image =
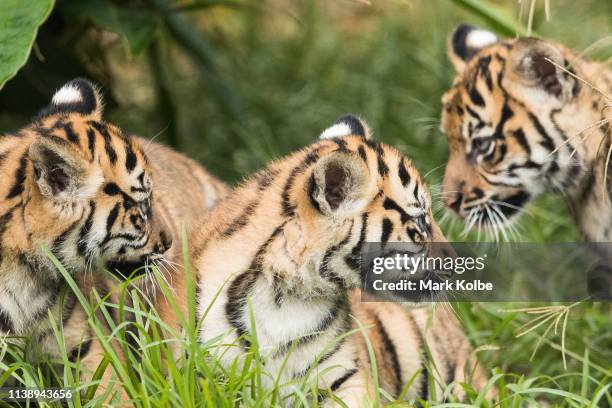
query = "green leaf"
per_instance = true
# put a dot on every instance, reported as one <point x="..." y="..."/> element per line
<point x="19" y="22"/>
<point x="137" y="26"/>
<point x="499" y="17"/>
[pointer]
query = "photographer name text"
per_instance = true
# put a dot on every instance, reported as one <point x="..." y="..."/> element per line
<point x="431" y="285"/>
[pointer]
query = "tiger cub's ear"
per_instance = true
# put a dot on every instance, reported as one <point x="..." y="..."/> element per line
<point x="540" y="64"/>
<point x="339" y="184"/>
<point x="466" y="41"/>
<point x="60" y="170"/>
<point x="76" y="96"/>
<point x="347" y="125"/>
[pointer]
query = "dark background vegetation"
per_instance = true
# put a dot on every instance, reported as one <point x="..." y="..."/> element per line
<point x="236" y="83"/>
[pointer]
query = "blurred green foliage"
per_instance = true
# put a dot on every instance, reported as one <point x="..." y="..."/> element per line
<point x="236" y="83"/>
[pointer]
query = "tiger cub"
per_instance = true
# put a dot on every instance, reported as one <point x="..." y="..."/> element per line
<point x="287" y="243"/>
<point x="95" y="198"/>
<point x="526" y="115"/>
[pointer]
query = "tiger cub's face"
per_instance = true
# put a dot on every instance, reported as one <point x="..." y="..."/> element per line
<point x="89" y="189"/>
<point x="358" y="191"/>
<point x="500" y="116"/>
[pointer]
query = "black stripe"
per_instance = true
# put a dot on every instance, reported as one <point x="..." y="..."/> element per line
<point x="519" y="135"/>
<point x="70" y="135"/>
<point x="277" y="288"/>
<point x="353" y="260"/>
<point x="500" y="74"/>
<point x="483" y="66"/>
<point x="348" y="374"/>
<point x="241" y="220"/>
<point x="323" y="325"/>
<point x="69" y="306"/>
<point x="82" y="242"/>
<point x="450" y="372"/>
<point x="553" y="119"/>
<point x="424" y="389"/>
<point x="390" y="204"/>
<point x="506" y="114"/>
<point x="112" y="217"/>
<point x="6" y="324"/>
<point x="403" y="173"/>
<point x="312" y="186"/>
<point x="5" y="219"/>
<point x="502" y="150"/>
<point x="475" y="115"/>
<point x="346" y="325"/>
<point x="108" y="146"/>
<point x="475" y="96"/>
<point x="265" y="178"/>
<point x="20" y="175"/>
<point x="237" y="295"/>
<point x="478" y="193"/>
<point x="43" y="311"/>
<point x="383" y="169"/>
<point x="362" y="153"/>
<point x="3" y="157"/>
<point x="57" y="243"/>
<point x="257" y="259"/>
<point x="588" y="187"/>
<point x="496" y="183"/>
<point x="112" y="189"/>
<point x="239" y="289"/>
<point x="62" y="237"/>
<point x="324" y="270"/>
<point x="198" y="288"/>
<point x="91" y="142"/>
<point x="80" y="351"/>
<point x="390" y="350"/>
<point x="387" y="229"/>
<point x="547" y="143"/>
<point x="513" y="167"/>
<point x="130" y="158"/>
<point x="341" y="143"/>
<point x="288" y="208"/>
<point x="326" y="357"/>
<point x="516" y="200"/>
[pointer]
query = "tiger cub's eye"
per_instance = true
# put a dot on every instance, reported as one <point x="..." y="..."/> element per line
<point x="483" y="145"/>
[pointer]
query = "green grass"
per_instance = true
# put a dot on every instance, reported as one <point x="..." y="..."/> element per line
<point x="176" y="370"/>
<point x="293" y="69"/>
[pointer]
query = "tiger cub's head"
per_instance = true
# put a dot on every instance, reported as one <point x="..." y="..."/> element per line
<point x="85" y="188"/>
<point x="506" y="118"/>
<point x="349" y="190"/>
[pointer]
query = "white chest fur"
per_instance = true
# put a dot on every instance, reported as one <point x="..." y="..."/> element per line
<point x="290" y="332"/>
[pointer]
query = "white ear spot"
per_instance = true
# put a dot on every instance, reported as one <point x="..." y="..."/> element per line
<point x="337" y="130"/>
<point x="478" y="39"/>
<point x="66" y="95"/>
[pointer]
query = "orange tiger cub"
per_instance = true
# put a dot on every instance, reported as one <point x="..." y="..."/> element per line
<point x="285" y="246"/>
<point x="96" y="198"/>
